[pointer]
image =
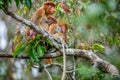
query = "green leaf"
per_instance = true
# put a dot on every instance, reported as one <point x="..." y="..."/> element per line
<point x="17" y="2"/>
<point x="27" y="48"/>
<point x="40" y="50"/>
<point x="28" y="69"/>
<point x="19" y="12"/>
<point x="21" y="1"/>
<point x="25" y="9"/>
<point x="9" y="1"/>
<point x="58" y="6"/>
<point x="87" y="72"/>
<point x="17" y="49"/>
<point x="97" y="46"/>
<point x="37" y="42"/>
<point x="28" y="3"/>
<point x="34" y="57"/>
<point x="1" y="4"/>
<point x="49" y="42"/>
<point x="15" y="39"/>
<point x="38" y="36"/>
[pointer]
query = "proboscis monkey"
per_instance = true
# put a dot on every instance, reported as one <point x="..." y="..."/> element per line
<point x="55" y="29"/>
<point x="41" y="14"/>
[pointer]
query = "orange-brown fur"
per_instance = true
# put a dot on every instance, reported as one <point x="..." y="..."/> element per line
<point x="61" y="23"/>
<point x="53" y="26"/>
<point x="47" y="9"/>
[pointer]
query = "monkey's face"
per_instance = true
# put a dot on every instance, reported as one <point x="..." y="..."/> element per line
<point x="49" y="7"/>
<point x="50" y="10"/>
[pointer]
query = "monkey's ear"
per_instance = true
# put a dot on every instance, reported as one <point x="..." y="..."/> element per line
<point x="49" y="3"/>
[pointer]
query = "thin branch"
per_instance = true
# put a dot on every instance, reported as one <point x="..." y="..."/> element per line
<point x="45" y="69"/>
<point x="10" y="55"/>
<point x="50" y="78"/>
<point x="72" y="71"/>
<point x="74" y="68"/>
<point x="49" y="65"/>
<point x="55" y="64"/>
<point x="64" y="62"/>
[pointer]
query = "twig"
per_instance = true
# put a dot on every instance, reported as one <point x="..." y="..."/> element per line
<point x="72" y="71"/>
<point x="45" y="69"/>
<point x="64" y="61"/>
<point x="50" y="78"/>
<point x="74" y="68"/>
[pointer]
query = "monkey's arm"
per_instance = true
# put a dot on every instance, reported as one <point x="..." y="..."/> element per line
<point x="59" y="34"/>
<point x="36" y="18"/>
<point x="52" y="28"/>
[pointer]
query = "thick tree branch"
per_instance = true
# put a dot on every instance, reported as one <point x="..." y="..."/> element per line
<point x="100" y="63"/>
<point x="88" y="54"/>
<point x="91" y="56"/>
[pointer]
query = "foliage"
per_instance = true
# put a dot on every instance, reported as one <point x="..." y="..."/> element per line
<point x="84" y="69"/>
<point x="1" y="3"/>
<point x="98" y="47"/>
<point x="27" y="3"/>
<point x="96" y="23"/>
<point x="34" y="46"/>
<point x="96" y="19"/>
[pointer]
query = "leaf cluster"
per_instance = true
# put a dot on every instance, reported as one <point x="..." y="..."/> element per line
<point x="34" y="47"/>
<point x="27" y="3"/>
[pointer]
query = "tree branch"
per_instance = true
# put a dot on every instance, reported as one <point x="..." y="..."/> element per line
<point x="91" y="56"/>
<point x="100" y="63"/>
<point x="50" y="78"/>
<point x="88" y="54"/>
<point x="56" y="41"/>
